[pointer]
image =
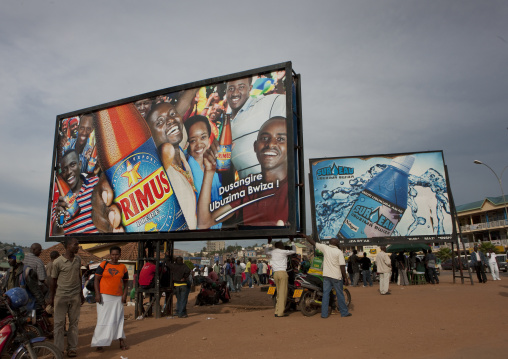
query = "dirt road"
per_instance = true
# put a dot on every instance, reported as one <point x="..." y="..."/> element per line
<point x="427" y="321"/>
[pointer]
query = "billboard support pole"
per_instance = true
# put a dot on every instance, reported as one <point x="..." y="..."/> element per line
<point x="453" y="212"/>
<point x="148" y="251"/>
<point x="300" y="155"/>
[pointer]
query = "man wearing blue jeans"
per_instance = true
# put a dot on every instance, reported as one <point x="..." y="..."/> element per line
<point x="181" y="286"/>
<point x="334" y="275"/>
<point x="248" y="278"/>
<point x="365" y="263"/>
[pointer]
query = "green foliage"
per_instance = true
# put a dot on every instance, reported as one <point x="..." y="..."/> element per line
<point x="232" y="249"/>
<point x="486" y="246"/>
<point x="444" y="254"/>
<point x="189" y="264"/>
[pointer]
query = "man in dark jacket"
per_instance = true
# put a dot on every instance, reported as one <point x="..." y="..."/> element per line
<point x="479" y="261"/>
<point x="181" y="284"/>
<point x="20" y="275"/>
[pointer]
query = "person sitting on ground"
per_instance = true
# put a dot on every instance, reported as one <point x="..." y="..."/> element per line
<point x="213" y="276"/>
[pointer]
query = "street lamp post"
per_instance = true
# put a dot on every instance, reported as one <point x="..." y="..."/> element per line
<point x="499" y="178"/>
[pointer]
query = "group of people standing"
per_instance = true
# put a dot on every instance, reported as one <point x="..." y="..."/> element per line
<point x="479" y="261"/>
<point x="238" y="274"/>
<point x="57" y="288"/>
<point x="394" y="268"/>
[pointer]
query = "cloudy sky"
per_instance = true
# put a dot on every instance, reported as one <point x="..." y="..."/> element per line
<point x="377" y="77"/>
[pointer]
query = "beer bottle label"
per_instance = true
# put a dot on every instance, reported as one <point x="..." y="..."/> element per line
<point x="224" y="158"/>
<point x="144" y="194"/>
<point x="371" y="216"/>
<point x="73" y="208"/>
<point x="91" y="164"/>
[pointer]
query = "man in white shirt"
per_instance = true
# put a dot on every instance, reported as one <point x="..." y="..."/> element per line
<point x="247" y="116"/>
<point x="384" y="268"/>
<point x="279" y="263"/>
<point x="334" y="275"/>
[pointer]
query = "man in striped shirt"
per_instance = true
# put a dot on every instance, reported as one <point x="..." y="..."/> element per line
<point x="70" y="167"/>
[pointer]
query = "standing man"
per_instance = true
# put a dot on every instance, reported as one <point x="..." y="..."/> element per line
<point x="49" y="268"/>
<point x="479" y="260"/>
<point x="33" y="261"/>
<point x="355" y="262"/>
<point x="216" y="268"/>
<point x="279" y="263"/>
<point x="261" y="266"/>
<point x="384" y="268"/>
<point x="365" y="263"/>
<point x="494" y="269"/>
<point x="229" y="275"/>
<point x="334" y="275"/>
<point x="395" y="273"/>
<point x="430" y="263"/>
<point x="181" y="285"/>
<point x="66" y="295"/>
<point x="238" y="276"/>
<point x="254" y="273"/>
<point x="248" y="278"/>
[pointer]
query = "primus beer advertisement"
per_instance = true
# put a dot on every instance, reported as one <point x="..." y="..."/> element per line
<point x="213" y="157"/>
<point x="375" y="199"/>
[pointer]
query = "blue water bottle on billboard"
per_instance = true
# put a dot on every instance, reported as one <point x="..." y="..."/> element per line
<point x="381" y="204"/>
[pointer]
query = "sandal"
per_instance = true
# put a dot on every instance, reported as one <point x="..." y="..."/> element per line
<point x="123" y="346"/>
<point x="72" y="353"/>
<point x="99" y="349"/>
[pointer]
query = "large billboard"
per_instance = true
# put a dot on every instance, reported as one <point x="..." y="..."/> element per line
<point x="215" y="158"/>
<point x="381" y="199"/>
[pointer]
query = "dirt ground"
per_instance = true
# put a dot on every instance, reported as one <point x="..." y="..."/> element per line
<point x="426" y="321"/>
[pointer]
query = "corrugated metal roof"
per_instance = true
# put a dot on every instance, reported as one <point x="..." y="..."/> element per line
<point x="497" y="201"/>
<point x="86" y="257"/>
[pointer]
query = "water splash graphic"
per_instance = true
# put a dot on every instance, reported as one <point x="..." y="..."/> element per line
<point x="336" y="203"/>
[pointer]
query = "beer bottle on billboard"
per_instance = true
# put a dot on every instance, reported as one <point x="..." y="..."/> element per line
<point x="128" y="156"/>
<point x="91" y="139"/>
<point x="92" y="161"/>
<point x="65" y="191"/>
<point x="225" y="141"/>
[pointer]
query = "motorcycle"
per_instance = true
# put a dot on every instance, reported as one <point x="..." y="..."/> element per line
<point x="16" y="340"/>
<point x="293" y="297"/>
<point x="210" y="293"/>
<point x="43" y="326"/>
<point x="312" y="296"/>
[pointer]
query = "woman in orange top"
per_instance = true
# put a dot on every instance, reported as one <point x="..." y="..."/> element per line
<point x="110" y="293"/>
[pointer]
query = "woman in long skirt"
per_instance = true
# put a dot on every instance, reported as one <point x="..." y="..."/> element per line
<point x="110" y="293"/>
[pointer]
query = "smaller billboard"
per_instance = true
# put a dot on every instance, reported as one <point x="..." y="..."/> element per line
<point x="381" y="199"/>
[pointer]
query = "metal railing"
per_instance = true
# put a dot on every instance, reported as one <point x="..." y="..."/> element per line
<point x="484" y="225"/>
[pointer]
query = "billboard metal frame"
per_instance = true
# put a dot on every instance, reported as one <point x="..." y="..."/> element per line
<point x="296" y="202"/>
<point x="452" y="237"/>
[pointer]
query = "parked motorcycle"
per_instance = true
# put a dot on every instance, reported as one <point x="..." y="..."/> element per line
<point x="43" y="327"/>
<point x="312" y="296"/>
<point x="211" y="292"/>
<point x="293" y="297"/>
<point x="16" y="341"/>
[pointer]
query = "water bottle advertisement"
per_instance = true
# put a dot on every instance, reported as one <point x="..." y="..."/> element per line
<point x="212" y="157"/>
<point x="380" y="199"/>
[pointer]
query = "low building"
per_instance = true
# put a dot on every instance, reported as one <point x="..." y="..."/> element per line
<point x="484" y="220"/>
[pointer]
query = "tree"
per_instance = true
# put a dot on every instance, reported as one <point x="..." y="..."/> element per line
<point x="232" y="249"/>
<point x="444" y="253"/>
<point x="189" y="264"/>
<point x="486" y="246"/>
